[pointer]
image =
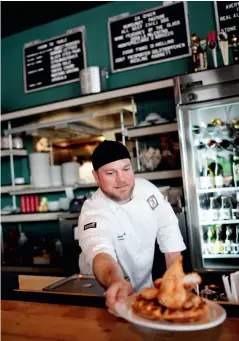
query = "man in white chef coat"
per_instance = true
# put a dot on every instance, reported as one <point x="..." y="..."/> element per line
<point x="119" y="224"/>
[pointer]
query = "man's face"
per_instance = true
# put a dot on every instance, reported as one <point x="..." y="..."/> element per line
<point x="116" y="179"/>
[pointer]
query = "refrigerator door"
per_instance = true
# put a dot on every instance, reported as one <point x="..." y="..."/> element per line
<point x="209" y="135"/>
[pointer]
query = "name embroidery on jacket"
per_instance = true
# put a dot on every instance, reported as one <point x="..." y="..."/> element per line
<point x="153" y="203"/>
<point x="121" y="237"/>
<point x="90" y="226"/>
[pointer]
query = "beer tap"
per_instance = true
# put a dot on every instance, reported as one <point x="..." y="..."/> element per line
<point x="223" y="44"/>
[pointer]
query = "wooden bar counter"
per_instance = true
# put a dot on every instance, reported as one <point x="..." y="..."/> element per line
<point x="28" y="321"/>
<point x="33" y="315"/>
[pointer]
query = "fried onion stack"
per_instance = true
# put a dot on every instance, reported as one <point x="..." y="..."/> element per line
<point x="170" y="299"/>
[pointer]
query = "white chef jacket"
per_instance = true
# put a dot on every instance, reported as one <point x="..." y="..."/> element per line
<point x="128" y="232"/>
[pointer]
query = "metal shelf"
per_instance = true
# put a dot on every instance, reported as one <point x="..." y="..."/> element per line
<point x="151" y="130"/>
<point x="27" y="189"/>
<point x="227" y="255"/>
<point x="34" y="190"/>
<point x="10" y="188"/>
<point x="83" y="100"/>
<point x="14" y="152"/>
<point x="215" y="190"/>
<point x="219" y="222"/>
<point x="159" y="175"/>
<point x="29" y="217"/>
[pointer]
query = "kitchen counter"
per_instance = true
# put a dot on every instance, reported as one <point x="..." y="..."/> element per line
<point x="29" y="288"/>
<point x="24" y="321"/>
<point x="36" y="283"/>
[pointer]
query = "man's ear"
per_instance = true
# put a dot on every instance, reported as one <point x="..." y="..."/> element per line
<point x="96" y="177"/>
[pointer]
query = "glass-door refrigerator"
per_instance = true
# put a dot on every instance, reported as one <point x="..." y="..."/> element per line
<point x="208" y="121"/>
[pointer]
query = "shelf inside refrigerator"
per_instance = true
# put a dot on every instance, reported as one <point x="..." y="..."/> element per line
<point x="219" y="222"/>
<point x="220" y="256"/>
<point x="218" y="190"/>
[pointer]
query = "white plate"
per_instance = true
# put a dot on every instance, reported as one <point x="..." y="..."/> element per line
<point x="144" y="124"/>
<point x="216" y="315"/>
<point x="6" y="212"/>
<point x="160" y="121"/>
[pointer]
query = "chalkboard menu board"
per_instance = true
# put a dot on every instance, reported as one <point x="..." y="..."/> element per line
<point x="153" y="36"/>
<point x="54" y="61"/>
<point x="227" y="17"/>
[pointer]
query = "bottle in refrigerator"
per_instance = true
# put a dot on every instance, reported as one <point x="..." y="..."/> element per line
<point x="210" y="178"/>
<point x="219" y="239"/>
<point x="206" y="174"/>
<point x="235" y="167"/>
<point x="204" y="206"/>
<point x="213" y="210"/>
<point x="237" y="234"/>
<point x="228" y="240"/>
<point x="204" y="239"/>
<point x="235" y="126"/>
<point x="226" y="208"/>
<point x="237" y="206"/>
<point x="237" y="238"/>
<point x="211" y="234"/>
<point x="235" y="241"/>
<point x="218" y="174"/>
<point x="211" y="239"/>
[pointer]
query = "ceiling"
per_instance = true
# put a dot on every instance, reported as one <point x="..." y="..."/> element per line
<point x="35" y="13"/>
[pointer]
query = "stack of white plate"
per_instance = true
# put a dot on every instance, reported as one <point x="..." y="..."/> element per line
<point x="85" y="173"/>
<point x="40" y="169"/>
<point x="70" y="173"/>
<point x="56" y="176"/>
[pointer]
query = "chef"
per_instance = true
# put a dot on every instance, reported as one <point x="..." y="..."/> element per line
<point x="119" y="224"/>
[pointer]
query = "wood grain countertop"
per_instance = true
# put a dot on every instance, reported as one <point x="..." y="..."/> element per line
<point x="36" y="283"/>
<point x="25" y="321"/>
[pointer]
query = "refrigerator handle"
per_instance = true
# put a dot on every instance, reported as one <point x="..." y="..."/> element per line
<point x="187" y="260"/>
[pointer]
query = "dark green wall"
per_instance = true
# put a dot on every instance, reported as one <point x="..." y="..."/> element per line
<point x="201" y="21"/>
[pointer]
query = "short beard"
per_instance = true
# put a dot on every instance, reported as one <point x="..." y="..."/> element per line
<point x="115" y="197"/>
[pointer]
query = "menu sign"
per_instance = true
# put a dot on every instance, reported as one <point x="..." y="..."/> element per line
<point x="153" y="36"/>
<point x="55" y="61"/>
<point x="227" y="17"/>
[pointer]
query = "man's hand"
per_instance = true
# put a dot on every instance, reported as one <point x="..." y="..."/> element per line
<point x="108" y="272"/>
<point x="118" y="291"/>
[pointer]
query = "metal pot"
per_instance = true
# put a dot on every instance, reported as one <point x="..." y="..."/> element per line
<point x="93" y="80"/>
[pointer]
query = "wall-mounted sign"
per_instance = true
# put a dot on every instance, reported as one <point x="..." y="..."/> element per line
<point x="227" y="17"/>
<point x="55" y="61"/>
<point x="153" y="36"/>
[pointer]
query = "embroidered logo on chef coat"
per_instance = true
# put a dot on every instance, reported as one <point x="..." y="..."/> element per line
<point x="90" y="226"/>
<point x="153" y="203"/>
<point x="121" y="236"/>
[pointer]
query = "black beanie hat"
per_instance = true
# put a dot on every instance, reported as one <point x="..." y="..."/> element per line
<point x="109" y="151"/>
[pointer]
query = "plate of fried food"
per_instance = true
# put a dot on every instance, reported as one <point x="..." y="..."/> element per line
<point x="171" y="305"/>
